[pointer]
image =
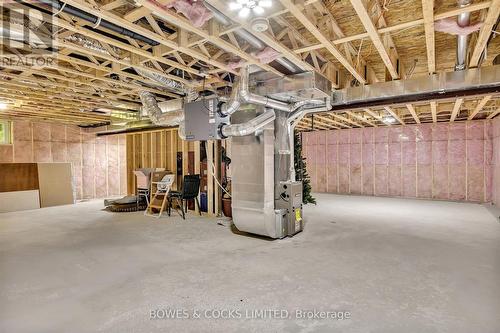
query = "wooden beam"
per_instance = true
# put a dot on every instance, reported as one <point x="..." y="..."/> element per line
<point x="265" y="37"/>
<point x="456" y="109"/>
<point x="347" y="120"/>
<point x="363" y="119"/>
<point x="428" y="12"/>
<point x="394" y="115"/>
<point x="113" y="18"/>
<point x="374" y="36"/>
<point x="413" y="113"/>
<point x="313" y="29"/>
<point x="493" y="114"/>
<point x="186" y="25"/>
<point x="434" y="111"/>
<point x="480" y="105"/>
<point x="484" y="34"/>
<point x="397" y="27"/>
<point x="373" y="114"/>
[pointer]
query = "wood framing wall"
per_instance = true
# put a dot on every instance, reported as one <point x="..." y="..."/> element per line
<point x="447" y="161"/>
<point x="160" y="148"/>
<point x="98" y="163"/>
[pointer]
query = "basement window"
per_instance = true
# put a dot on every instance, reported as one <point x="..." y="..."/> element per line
<point x="5" y="132"/>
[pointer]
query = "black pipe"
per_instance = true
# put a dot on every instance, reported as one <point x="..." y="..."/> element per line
<point x="57" y="5"/>
<point x="134" y="130"/>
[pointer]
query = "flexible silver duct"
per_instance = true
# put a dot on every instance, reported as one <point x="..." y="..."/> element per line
<point x="463" y="20"/>
<point x="91" y="44"/>
<point x="250" y="126"/>
<point x="251" y="39"/>
<point x="170" y="113"/>
<point x="167" y="83"/>
<point x="234" y="103"/>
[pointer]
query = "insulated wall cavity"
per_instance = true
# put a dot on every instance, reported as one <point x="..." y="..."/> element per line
<point x="495" y="161"/>
<point x="443" y="161"/>
<point x="96" y="172"/>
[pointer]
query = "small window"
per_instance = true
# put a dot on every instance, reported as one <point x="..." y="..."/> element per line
<point x="5" y="132"/>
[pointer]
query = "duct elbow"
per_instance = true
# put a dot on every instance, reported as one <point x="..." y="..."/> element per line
<point x="168" y="113"/>
<point x="249" y="127"/>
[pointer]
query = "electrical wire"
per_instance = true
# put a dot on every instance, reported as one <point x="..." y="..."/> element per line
<point x="213" y="172"/>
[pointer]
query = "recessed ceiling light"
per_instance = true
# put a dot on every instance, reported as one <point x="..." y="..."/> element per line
<point x="245" y="7"/>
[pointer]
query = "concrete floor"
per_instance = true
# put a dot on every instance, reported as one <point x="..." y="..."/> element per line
<point x="396" y="265"/>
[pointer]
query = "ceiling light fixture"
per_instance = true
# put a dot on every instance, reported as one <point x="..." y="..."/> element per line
<point x="245" y="7"/>
<point x="3" y="105"/>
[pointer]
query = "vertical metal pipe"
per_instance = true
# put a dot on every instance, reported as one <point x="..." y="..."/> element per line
<point x="463" y="20"/>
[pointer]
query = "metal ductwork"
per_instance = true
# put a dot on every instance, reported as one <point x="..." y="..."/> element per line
<point x="73" y="11"/>
<point x="163" y="81"/>
<point x="249" y="127"/>
<point x="468" y="82"/>
<point x="463" y="20"/>
<point x="251" y="98"/>
<point x="231" y="106"/>
<point x="169" y="113"/>
<point x="245" y="35"/>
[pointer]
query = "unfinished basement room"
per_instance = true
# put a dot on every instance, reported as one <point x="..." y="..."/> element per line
<point x="250" y="166"/>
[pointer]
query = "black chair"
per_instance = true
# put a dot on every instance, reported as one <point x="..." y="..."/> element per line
<point x="190" y="190"/>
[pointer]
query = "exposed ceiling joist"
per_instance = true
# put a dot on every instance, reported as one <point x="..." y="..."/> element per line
<point x="456" y="109"/>
<point x="484" y="34"/>
<point x="367" y="22"/>
<point x="299" y="14"/>
<point x="428" y="12"/>
<point x="480" y="106"/>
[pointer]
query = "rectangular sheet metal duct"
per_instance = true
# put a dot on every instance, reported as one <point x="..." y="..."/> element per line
<point x="437" y="86"/>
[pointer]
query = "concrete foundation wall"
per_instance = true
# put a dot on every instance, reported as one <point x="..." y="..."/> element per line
<point x="98" y="163"/>
<point x="448" y="161"/>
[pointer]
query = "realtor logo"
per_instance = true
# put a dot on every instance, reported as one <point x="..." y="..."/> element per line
<point x="26" y="31"/>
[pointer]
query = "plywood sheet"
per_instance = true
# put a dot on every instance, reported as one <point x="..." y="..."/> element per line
<point x="18" y="177"/>
<point x="55" y="184"/>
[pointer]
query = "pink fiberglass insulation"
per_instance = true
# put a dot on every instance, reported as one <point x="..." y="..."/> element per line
<point x="264" y="56"/>
<point x="446" y="161"/>
<point x="495" y="164"/>
<point x="98" y="165"/>
<point x="450" y="26"/>
<point x="194" y="11"/>
<point x="267" y="54"/>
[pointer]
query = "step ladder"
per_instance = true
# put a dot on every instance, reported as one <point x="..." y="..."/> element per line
<point x="160" y="197"/>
